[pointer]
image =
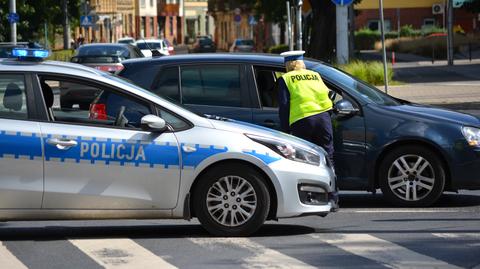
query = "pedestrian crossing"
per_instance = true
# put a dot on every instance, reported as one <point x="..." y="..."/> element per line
<point x="315" y="250"/>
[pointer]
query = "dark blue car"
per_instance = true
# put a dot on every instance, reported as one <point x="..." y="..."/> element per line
<point x="412" y="152"/>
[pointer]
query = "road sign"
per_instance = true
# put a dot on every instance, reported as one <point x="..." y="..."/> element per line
<point x="252" y="20"/>
<point x="86" y="21"/>
<point x="237" y="18"/>
<point x="342" y="2"/>
<point x="13" y="17"/>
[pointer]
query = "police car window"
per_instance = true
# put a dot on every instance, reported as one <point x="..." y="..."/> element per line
<point x="166" y="84"/>
<point x="217" y="85"/>
<point x="12" y="94"/>
<point x="84" y="103"/>
<point x="175" y="122"/>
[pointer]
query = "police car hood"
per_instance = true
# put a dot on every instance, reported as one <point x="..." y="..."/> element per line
<point x="249" y="128"/>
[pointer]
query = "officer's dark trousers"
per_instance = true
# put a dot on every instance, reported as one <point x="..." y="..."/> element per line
<point x="316" y="129"/>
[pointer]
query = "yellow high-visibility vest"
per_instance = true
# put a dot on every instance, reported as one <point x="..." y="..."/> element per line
<point x="308" y="94"/>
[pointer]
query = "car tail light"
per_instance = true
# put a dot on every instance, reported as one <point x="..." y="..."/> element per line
<point x="110" y="68"/>
<point x="171" y="50"/>
<point x="98" y="112"/>
<point x="237" y="50"/>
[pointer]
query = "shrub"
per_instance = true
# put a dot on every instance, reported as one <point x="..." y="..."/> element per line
<point x="278" y="49"/>
<point x="61" y="55"/>
<point x="365" y="39"/>
<point x="408" y="31"/>
<point x="371" y="72"/>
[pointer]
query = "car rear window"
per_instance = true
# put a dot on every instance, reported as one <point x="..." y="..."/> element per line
<point x="91" y="59"/>
<point x="205" y="41"/>
<point x="149" y="45"/>
<point x="119" y="51"/>
<point x="244" y="43"/>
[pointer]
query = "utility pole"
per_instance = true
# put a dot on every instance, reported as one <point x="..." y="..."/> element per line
<point x="13" y="25"/>
<point x="299" y="25"/>
<point x="289" y="22"/>
<point x="450" y="32"/>
<point x="66" y="26"/>
<point x="382" y="29"/>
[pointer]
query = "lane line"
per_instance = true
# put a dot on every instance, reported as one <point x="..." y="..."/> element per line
<point x="262" y="257"/>
<point x="453" y="210"/>
<point x="464" y="236"/>
<point x="120" y="253"/>
<point x="8" y="260"/>
<point x="382" y="251"/>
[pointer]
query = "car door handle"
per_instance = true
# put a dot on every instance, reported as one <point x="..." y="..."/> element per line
<point x="62" y="143"/>
<point x="269" y="123"/>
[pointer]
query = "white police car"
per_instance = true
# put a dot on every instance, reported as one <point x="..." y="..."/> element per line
<point x="132" y="154"/>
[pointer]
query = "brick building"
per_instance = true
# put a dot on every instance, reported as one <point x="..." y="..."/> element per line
<point x="418" y="13"/>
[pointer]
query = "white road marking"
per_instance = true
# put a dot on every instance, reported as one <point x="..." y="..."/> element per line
<point x="412" y="210"/>
<point x="382" y="251"/>
<point x="8" y="260"/>
<point x="120" y="253"/>
<point x="262" y="258"/>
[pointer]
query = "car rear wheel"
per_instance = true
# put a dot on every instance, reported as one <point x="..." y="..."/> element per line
<point x="231" y="200"/>
<point x="412" y="176"/>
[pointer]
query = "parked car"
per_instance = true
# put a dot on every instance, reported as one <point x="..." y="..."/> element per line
<point x="126" y="40"/>
<point x="105" y="56"/>
<point x="147" y="45"/>
<point x="242" y="45"/>
<point x="411" y="152"/>
<point x="101" y="56"/>
<point x="134" y="155"/>
<point x="203" y="44"/>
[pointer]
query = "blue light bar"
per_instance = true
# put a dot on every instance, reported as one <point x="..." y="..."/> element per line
<point x="38" y="54"/>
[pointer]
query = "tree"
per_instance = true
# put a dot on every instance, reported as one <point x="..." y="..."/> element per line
<point x="33" y="15"/>
<point x="322" y="36"/>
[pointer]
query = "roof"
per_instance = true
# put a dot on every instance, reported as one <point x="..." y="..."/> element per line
<point x="212" y="57"/>
<point x="48" y="67"/>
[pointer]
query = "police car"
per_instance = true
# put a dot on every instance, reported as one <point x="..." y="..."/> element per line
<point x="132" y="154"/>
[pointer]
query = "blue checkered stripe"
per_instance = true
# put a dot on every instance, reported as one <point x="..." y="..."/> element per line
<point x="118" y="152"/>
<point x="265" y="157"/>
<point x="96" y="151"/>
<point x="20" y="145"/>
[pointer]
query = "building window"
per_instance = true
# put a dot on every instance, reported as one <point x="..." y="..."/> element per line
<point x="429" y="22"/>
<point x="142" y="3"/>
<point x="151" y="3"/>
<point x="374" y="25"/>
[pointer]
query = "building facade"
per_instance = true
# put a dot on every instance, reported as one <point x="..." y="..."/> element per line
<point x="146" y="19"/>
<point x="197" y="20"/>
<point x="418" y="13"/>
<point x="170" y="20"/>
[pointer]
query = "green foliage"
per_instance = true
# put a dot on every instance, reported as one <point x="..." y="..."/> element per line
<point x="34" y="14"/>
<point x="408" y="31"/>
<point x="278" y="48"/>
<point x="371" y="72"/>
<point x="365" y="39"/>
<point x="61" y="55"/>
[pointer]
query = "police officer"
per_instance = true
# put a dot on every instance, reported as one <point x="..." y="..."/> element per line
<point x="304" y="105"/>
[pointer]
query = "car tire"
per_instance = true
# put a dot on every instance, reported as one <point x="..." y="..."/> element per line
<point x="227" y="189"/>
<point x="412" y="176"/>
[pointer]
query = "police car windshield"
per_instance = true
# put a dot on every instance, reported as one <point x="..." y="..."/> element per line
<point x="364" y="90"/>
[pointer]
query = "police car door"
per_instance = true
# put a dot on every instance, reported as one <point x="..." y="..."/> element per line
<point x="21" y="160"/>
<point x="96" y="155"/>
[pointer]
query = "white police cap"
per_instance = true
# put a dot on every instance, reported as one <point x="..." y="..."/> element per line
<point x="293" y="55"/>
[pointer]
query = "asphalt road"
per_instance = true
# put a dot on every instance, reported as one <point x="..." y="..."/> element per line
<point x="365" y="233"/>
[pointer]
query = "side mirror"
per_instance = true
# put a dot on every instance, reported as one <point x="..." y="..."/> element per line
<point x="74" y="59"/>
<point x="345" y="108"/>
<point x="153" y="123"/>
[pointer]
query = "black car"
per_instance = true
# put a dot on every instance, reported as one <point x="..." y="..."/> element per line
<point x="203" y="44"/>
<point x="412" y="152"/>
<point x="102" y="56"/>
<point x="105" y="57"/>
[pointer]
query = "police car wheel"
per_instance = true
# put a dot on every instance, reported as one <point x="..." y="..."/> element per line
<point x="231" y="200"/>
<point x="412" y="176"/>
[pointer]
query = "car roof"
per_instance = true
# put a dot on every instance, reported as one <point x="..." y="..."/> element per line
<point x="48" y="67"/>
<point x="258" y="58"/>
<point x="104" y="45"/>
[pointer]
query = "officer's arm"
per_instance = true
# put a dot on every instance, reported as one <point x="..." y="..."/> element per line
<point x="283" y="105"/>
